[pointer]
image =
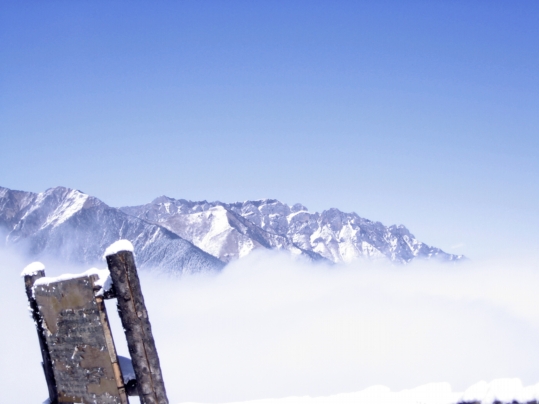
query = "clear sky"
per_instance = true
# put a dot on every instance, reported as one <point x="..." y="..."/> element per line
<point x="424" y="113"/>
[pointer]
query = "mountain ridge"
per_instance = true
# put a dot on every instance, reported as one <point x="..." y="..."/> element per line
<point x="75" y="227"/>
<point x="330" y="235"/>
<point x="189" y="236"/>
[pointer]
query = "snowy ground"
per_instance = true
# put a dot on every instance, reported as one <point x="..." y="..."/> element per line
<point x="498" y="391"/>
<point x="501" y="391"/>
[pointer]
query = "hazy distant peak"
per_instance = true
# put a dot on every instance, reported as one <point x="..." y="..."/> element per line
<point x="69" y="223"/>
<point x="240" y="227"/>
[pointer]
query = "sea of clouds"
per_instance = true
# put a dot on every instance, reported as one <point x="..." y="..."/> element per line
<point x="271" y="326"/>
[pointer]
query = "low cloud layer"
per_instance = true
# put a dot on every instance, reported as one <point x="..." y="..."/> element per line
<point x="271" y="326"/>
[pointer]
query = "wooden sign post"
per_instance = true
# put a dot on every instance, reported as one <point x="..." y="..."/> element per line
<point x="136" y="323"/>
<point x="79" y="356"/>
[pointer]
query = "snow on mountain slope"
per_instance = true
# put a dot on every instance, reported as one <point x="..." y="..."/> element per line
<point x="230" y="231"/>
<point x="214" y="228"/>
<point x="216" y="231"/>
<point x="13" y="205"/>
<point x="74" y="227"/>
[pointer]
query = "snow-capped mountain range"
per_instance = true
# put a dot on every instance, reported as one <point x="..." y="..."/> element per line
<point x="232" y="230"/>
<point x="186" y="236"/>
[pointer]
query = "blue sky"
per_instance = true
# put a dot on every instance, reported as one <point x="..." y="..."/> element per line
<point x="424" y="113"/>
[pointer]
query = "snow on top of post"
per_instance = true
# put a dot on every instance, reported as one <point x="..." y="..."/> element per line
<point x="104" y="280"/>
<point x="116" y="247"/>
<point x="32" y="269"/>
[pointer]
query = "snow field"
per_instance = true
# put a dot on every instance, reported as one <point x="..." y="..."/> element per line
<point x="500" y="391"/>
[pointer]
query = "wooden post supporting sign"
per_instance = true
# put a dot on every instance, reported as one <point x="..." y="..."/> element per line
<point x="135" y="321"/>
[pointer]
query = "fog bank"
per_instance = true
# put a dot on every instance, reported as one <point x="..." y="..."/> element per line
<point x="269" y="326"/>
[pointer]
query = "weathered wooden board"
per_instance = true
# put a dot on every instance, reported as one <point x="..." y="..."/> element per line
<point x="79" y="341"/>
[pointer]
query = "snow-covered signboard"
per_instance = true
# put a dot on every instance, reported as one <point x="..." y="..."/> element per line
<point x="79" y="341"/>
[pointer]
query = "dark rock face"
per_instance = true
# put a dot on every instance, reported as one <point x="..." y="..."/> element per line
<point x="76" y="228"/>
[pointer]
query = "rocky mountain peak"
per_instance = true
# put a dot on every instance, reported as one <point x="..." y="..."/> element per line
<point x="70" y="226"/>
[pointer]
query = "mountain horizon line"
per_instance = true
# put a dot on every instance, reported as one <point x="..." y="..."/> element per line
<point x="190" y="236"/>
